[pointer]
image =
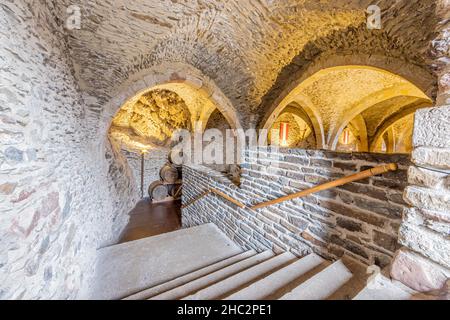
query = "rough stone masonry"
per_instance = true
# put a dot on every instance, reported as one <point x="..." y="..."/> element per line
<point x="359" y="220"/>
<point x="65" y="189"/>
<point x="424" y="262"/>
<point x="63" y="192"/>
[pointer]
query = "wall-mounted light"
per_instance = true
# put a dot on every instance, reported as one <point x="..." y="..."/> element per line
<point x="346" y="136"/>
<point x="284" y="133"/>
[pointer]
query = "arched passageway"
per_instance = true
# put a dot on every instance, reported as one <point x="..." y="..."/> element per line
<point x="146" y="122"/>
<point x="299" y="130"/>
<point x="349" y="107"/>
<point x="66" y="188"/>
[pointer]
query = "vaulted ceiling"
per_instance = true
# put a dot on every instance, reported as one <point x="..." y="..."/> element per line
<point x="250" y="49"/>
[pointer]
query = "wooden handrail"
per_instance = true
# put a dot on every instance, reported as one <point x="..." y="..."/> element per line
<point x="178" y="192"/>
<point x="332" y="184"/>
<point x="336" y="183"/>
<point x="217" y="192"/>
<point x="227" y="197"/>
<point x="204" y="194"/>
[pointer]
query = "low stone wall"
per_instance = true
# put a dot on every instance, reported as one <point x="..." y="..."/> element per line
<point x="359" y="220"/>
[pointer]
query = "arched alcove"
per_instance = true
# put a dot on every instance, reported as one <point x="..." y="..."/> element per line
<point x="300" y="129"/>
<point x="201" y="98"/>
<point x="395" y="137"/>
<point x="200" y="93"/>
<point x="353" y="97"/>
<point x="355" y="139"/>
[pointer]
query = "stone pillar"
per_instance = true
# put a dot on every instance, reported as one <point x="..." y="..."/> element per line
<point x="424" y="262"/>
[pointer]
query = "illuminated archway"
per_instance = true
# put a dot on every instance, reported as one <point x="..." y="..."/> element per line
<point x="403" y="90"/>
<point x="387" y="123"/>
<point x="185" y="80"/>
<point x="148" y="121"/>
<point x="337" y="97"/>
<point x="395" y="135"/>
<point x="299" y="132"/>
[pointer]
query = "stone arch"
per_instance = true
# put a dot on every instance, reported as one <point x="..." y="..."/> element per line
<point x="298" y="119"/>
<point x="166" y="76"/>
<point x="420" y="76"/>
<point x="216" y="120"/>
<point x="390" y="141"/>
<point x="169" y="75"/>
<point x="309" y="111"/>
<point x="407" y="90"/>
<point x="360" y="124"/>
<point x="386" y="124"/>
<point x="299" y="112"/>
<point x="300" y="115"/>
<point x="205" y="117"/>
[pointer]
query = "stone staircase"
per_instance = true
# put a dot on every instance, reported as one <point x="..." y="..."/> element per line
<point x="206" y="265"/>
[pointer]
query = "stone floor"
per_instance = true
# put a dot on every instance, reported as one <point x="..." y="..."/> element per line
<point x="127" y="268"/>
<point x="150" y="219"/>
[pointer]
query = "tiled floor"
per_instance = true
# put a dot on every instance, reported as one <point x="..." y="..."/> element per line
<point x="149" y="219"/>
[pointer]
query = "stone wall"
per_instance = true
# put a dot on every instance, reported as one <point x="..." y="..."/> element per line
<point x="154" y="161"/>
<point x="359" y="220"/>
<point x="149" y="120"/>
<point x="63" y="194"/>
<point x="424" y="262"/>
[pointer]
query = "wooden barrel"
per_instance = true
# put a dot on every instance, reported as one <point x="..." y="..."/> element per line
<point x="157" y="191"/>
<point x="169" y="173"/>
<point x="171" y="160"/>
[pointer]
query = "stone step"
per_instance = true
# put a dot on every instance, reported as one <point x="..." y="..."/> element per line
<point x="358" y="281"/>
<point x="322" y="285"/>
<point x="127" y="268"/>
<point x="382" y="288"/>
<point x="246" y="277"/>
<point x="269" y="286"/>
<point x="148" y="293"/>
<point x="203" y="282"/>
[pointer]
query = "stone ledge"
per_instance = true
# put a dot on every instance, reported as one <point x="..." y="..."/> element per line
<point x="428" y="178"/>
<point x="436" y="221"/>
